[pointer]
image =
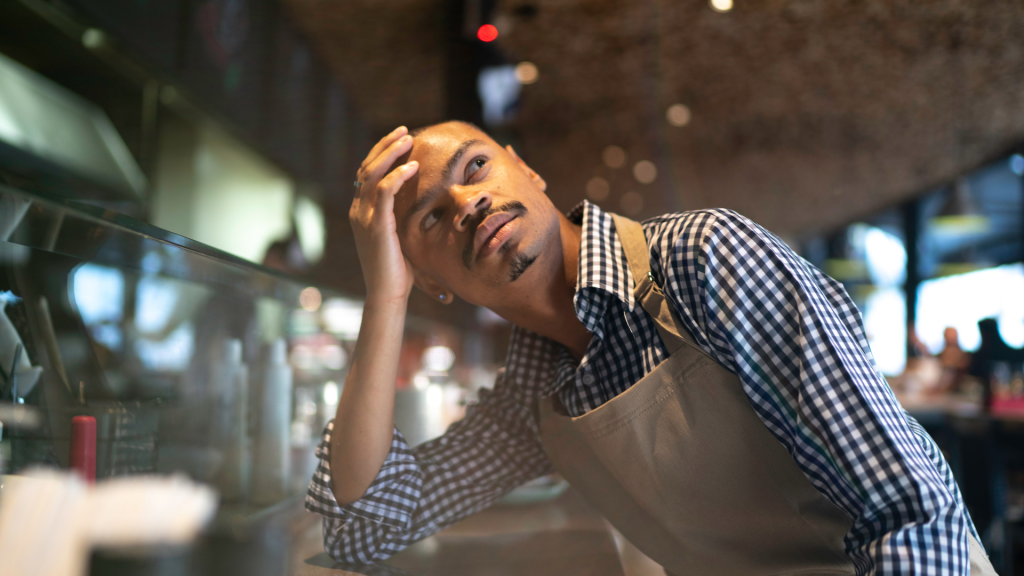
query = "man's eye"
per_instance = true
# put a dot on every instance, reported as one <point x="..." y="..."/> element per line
<point x="432" y="218"/>
<point x="475" y="165"/>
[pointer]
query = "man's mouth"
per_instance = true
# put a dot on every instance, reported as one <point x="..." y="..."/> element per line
<point x="492" y="231"/>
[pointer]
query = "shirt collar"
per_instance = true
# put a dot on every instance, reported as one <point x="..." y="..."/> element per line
<point x="537" y="366"/>
<point x="603" y="270"/>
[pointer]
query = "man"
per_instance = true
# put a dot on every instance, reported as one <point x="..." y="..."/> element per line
<point x="706" y="389"/>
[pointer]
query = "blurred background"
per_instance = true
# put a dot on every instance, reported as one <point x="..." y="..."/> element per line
<point x="175" y="177"/>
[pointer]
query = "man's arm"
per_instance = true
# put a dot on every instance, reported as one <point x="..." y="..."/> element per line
<point x="363" y="422"/>
<point x="417" y="492"/>
<point x="795" y="339"/>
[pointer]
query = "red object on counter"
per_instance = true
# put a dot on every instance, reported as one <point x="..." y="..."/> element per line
<point x="83" y="447"/>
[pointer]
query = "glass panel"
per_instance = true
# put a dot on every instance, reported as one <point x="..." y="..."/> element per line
<point x="180" y="351"/>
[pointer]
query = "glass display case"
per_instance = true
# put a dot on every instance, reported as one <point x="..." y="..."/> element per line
<point x="190" y="359"/>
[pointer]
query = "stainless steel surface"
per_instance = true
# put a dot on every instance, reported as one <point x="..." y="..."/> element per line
<point x="136" y="316"/>
<point x="48" y="123"/>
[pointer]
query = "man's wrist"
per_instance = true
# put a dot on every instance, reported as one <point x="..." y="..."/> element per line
<point x="376" y="304"/>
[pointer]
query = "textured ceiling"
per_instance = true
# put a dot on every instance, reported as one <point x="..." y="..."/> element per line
<point x="806" y="113"/>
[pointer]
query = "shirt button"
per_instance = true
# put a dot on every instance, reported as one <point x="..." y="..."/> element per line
<point x="588" y="379"/>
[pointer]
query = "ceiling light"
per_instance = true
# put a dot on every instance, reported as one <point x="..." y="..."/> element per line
<point x="614" y="157"/>
<point x="645" y="171"/>
<point x="631" y="203"/>
<point x="959" y="215"/>
<point x="678" y="115"/>
<point x="488" y="33"/>
<point x="721" y="5"/>
<point x="526" y="72"/>
<point x="597" y="189"/>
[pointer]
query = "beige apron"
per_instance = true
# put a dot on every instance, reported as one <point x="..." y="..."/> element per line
<point x="683" y="467"/>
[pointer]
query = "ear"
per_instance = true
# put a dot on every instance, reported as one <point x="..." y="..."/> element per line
<point x="432" y="287"/>
<point x="529" y="171"/>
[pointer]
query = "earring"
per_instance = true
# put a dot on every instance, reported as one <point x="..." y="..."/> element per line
<point x="441" y="297"/>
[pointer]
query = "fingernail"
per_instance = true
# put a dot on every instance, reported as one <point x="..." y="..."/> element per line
<point x="399" y="129"/>
<point x="413" y="164"/>
<point x="404" y="139"/>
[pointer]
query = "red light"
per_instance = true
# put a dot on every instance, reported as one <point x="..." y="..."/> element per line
<point x="487" y="33"/>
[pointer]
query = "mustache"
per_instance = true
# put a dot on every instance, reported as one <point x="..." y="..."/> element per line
<point x="467" y="252"/>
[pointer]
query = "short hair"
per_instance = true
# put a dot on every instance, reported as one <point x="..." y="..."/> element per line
<point x="417" y="131"/>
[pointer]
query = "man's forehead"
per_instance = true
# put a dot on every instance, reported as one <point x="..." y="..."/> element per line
<point x="433" y="148"/>
<point x="436" y="143"/>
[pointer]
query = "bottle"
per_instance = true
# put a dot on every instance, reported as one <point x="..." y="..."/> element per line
<point x="82" y="457"/>
<point x="270" y="472"/>
<point x="229" y="429"/>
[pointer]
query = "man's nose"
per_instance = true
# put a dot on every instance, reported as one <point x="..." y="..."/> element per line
<point x="470" y="205"/>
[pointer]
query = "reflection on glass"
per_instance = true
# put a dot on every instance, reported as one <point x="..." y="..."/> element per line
<point x="156" y="300"/>
<point x="98" y="293"/>
<point x="172" y="354"/>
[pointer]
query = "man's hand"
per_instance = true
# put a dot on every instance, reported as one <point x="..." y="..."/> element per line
<point x="386" y="271"/>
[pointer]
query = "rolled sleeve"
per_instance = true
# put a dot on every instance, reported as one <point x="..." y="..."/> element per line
<point x="391" y="498"/>
<point x="420" y="491"/>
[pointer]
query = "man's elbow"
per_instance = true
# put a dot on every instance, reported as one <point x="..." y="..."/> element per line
<point x="347" y="544"/>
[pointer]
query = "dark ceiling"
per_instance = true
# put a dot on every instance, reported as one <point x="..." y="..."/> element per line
<point x="806" y="114"/>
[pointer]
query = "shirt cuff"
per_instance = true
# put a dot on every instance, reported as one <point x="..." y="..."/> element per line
<point x="391" y="498"/>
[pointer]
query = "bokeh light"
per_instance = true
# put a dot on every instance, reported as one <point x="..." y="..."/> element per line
<point x="678" y="115"/>
<point x="526" y="72"/>
<point x="631" y="203"/>
<point x="721" y="5"/>
<point x="487" y="33"/>
<point x="332" y="393"/>
<point x="614" y="156"/>
<point x="310" y="299"/>
<point x="645" y="171"/>
<point x="1017" y="164"/>
<point x="597" y="189"/>
<point x="438" y="358"/>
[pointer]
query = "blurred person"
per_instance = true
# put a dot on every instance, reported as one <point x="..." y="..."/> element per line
<point x="286" y="255"/>
<point x="708" y="391"/>
<point x="952" y="356"/>
<point x="955" y="361"/>
<point x="993" y="349"/>
<point x="922" y="374"/>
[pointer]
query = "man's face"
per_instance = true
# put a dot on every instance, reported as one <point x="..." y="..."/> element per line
<point x="474" y="219"/>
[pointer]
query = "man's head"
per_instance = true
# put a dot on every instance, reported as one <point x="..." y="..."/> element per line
<point x="474" y="220"/>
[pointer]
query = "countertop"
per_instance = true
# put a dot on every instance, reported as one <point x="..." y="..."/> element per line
<point x="562" y="537"/>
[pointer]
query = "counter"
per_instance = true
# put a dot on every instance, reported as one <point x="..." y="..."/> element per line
<point x="558" y="538"/>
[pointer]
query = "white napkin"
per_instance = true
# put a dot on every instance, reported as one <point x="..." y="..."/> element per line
<point x="50" y="520"/>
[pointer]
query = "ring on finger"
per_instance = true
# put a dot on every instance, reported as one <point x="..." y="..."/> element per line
<point x="357" y="184"/>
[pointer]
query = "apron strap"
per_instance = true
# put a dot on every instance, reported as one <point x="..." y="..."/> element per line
<point x="645" y="290"/>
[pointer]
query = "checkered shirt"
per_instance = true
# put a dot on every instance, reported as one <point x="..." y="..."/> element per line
<point x="790" y="332"/>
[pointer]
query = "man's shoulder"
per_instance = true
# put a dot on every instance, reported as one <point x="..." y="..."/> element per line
<point x="710" y="215"/>
<point x="691" y="226"/>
